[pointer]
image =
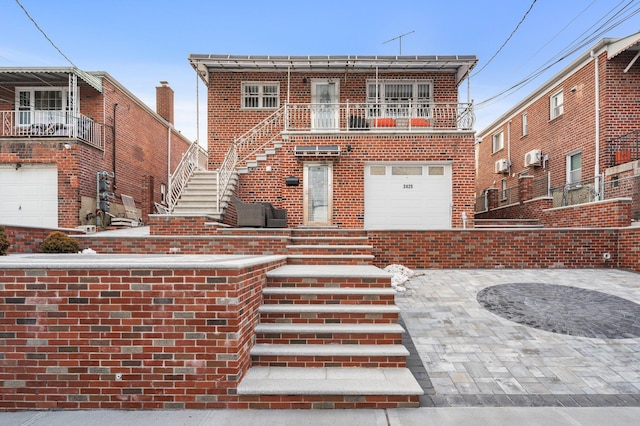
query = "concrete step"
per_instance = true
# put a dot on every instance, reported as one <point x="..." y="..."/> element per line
<point x="369" y="356"/>
<point x="329" y="350"/>
<point x="329" y="381"/>
<point x="318" y="259"/>
<point x="272" y="308"/>
<point x="329" y="276"/>
<point x="320" y="295"/>
<point x="334" y="240"/>
<point x="262" y="328"/>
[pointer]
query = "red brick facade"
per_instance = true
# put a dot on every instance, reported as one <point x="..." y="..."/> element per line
<point x="228" y="120"/>
<point x="136" y="143"/>
<point x="571" y="132"/>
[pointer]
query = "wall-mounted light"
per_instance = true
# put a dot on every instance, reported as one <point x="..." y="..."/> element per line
<point x="349" y="148"/>
<point x="304" y="80"/>
<point x="573" y="89"/>
<point x="18" y="165"/>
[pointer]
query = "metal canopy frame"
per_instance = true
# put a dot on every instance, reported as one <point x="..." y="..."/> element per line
<point x="205" y="64"/>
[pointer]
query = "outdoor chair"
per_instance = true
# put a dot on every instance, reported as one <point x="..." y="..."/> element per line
<point x="161" y="209"/>
<point x="249" y="214"/>
<point x="275" y="218"/>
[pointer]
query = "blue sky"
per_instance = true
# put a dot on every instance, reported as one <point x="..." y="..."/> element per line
<point x="141" y="42"/>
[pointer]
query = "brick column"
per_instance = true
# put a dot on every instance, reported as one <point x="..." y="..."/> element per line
<point x="525" y="188"/>
<point x="492" y="198"/>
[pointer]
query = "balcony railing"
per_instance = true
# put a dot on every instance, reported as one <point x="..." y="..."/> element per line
<point x="37" y="124"/>
<point x="625" y="148"/>
<point x="345" y="117"/>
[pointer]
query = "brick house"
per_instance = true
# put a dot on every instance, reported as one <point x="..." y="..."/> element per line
<point x="60" y="127"/>
<point x="362" y="142"/>
<point x="580" y="124"/>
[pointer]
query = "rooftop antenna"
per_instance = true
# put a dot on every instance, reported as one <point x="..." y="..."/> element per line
<point x="399" y="38"/>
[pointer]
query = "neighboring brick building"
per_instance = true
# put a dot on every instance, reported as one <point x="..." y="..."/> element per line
<point x="574" y="127"/>
<point x="61" y="126"/>
<point x="348" y="141"/>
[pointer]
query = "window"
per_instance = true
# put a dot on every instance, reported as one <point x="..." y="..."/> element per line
<point x="557" y="104"/>
<point x="503" y="190"/>
<point x="498" y="141"/>
<point x="574" y="167"/>
<point x="42" y="105"/>
<point x="525" y="124"/>
<point x="399" y="98"/>
<point x="260" y="95"/>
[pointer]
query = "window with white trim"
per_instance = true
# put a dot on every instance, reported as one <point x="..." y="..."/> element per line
<point x="498" y="141"/>
<point x="45" y="105"/>
<point x="400" y="98"/>
<point x="557" y="104"/>
<point x="503" y="190"/>
<point x="574" y="167"/>
<point x="525" y="124"/>
<point x="260" y="95"/>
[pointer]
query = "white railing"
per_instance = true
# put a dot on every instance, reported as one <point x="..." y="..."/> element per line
<point x="51" y="124"/>
<point x="341" y="117"/>
<point x="189" y="163"/>
<point x="245" y="146"/>
<point x="379" y="117"/>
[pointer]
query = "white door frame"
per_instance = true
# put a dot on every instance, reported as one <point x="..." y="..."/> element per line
<point x="325" y="104"/>
<point x="318" y="188"/>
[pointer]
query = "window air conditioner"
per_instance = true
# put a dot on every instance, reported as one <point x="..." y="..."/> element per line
<point x="533" y="158"/>
<point x="502" y="166"/>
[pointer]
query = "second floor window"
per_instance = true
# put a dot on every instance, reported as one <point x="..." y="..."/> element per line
<point x="260" y="95"/>
<point x="498" y="141"/>
<point x="557" y="105"/>
<point x="525" y="124"/>
<point x="399" y="98"/>
<point x="41" y="105"/>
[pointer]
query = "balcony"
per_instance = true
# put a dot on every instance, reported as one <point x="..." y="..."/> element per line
<point x="399" y="117"/>
<point x="47" y="124"/>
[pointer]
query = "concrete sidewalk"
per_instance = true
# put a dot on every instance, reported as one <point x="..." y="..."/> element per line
<point x="610" y="416"/>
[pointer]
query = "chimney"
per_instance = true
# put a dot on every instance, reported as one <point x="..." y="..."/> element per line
<point x="164" y="101"/>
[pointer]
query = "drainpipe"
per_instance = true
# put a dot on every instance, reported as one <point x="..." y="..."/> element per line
<point x="509" y="144"/>
<point x="597" y="118"/>
<point x="113" y="157"/>
<point x="169" y="154"/>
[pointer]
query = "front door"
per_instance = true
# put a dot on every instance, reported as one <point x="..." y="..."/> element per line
<point x="318" y="194"/>
<point x="325" y="108"/>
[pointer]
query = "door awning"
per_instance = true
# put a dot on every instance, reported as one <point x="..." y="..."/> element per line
<point x="317" y="151"/>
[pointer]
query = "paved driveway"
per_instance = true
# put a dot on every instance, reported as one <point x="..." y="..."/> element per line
<point x="477" y="357"/>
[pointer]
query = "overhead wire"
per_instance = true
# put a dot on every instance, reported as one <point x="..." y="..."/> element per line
<point x="580" y="42"/>
<point x="507" y="40"/>
<point x="45" y="34"/>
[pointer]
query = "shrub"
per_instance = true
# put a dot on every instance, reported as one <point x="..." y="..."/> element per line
<point x="58" y="242"/>
<point x="4" y="242"/>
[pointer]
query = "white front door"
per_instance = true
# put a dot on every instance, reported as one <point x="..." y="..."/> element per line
<point x="318" y="193"/>
<point x="325" y="108"/>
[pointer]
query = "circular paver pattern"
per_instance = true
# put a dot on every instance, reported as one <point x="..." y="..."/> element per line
<point x="564" y="309"/>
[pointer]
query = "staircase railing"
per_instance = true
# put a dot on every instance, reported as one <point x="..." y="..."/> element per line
<point x="245" y="146"/>
<point x="178" y="180"/>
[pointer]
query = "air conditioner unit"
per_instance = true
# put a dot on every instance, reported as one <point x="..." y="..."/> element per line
<point x="533" y="158"/>
<point x="502" y="166"/>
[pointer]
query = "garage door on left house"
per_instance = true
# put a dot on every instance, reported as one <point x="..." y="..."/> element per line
<point x="29" y="194"/>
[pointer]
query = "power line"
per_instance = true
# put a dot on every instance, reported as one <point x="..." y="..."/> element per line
<point x="507" y="40"/>
<point x="45" y="35"/>
<point x="579" y="43"/>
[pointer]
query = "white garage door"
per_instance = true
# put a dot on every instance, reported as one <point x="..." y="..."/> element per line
<point x="29" y="195"/>
<point x="407" y="196"/>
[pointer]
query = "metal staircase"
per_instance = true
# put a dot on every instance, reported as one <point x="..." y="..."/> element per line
<point x="198" y="192"/>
